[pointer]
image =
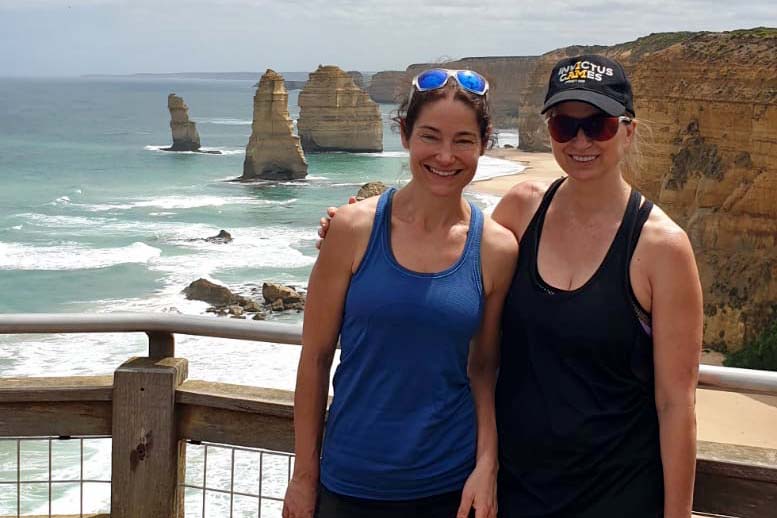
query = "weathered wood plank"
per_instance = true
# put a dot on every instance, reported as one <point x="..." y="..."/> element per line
<point x="202" y="423"/>
<point x="58" y="418"/>
<point x="74" y="388"/>
<point x="733" y="480"/>
<point x="146" y="451"/>
<point x="241" y="398"/>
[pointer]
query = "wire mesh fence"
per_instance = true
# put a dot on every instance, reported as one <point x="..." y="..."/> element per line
<point x="55" y="476"/>
<point x="229" y="481"/>
<point x="70" y="476"/>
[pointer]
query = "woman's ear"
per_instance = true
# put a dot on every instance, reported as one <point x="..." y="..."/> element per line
<point x="630" y="129"/>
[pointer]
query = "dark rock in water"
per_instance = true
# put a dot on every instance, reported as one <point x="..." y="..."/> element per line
<point x="508" y="146"/>
<point x="214" y="294"/>
<point x="222" y="237"/>
<point x="371" y="189"/>
<point x="274" y="292"/>
<point x="277" y="305"/>
<point x="259" y="316"/>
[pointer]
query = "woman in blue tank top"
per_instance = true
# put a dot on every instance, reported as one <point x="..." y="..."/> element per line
<point x="412" y="284"/>
<point x="602" y="325"/>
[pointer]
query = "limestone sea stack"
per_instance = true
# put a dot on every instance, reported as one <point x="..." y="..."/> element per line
<point x="185" y="136"/>
<point x="337" y="115"/>
<point x="273" y="151"/>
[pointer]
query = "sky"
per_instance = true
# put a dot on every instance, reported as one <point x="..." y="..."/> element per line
<point x="50" y="38"/>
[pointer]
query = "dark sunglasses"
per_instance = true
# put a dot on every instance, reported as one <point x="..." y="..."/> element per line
<point x="435" y="78"/>
<point x="599" y="127"/>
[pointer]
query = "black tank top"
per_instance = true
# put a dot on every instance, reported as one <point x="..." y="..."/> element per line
<point x="578" y="429"/>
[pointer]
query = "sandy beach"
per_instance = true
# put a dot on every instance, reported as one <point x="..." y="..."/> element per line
<point x="538" y="166"/>
<point x="724" y="417"/>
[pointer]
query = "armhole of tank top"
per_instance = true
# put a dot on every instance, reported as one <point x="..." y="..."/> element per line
<point x="377" y="225"/>
<point x="478" y="225"/>
<point x="643" y="316"/>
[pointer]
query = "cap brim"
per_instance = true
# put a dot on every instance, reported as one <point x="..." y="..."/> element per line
<point x="604" y="103"/>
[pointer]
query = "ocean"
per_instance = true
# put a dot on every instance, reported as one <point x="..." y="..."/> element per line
<point x="94" y="217"/>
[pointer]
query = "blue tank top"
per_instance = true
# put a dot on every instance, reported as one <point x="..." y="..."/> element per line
<point x="402" y="422"/>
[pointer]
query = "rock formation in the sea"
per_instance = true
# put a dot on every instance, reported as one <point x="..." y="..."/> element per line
<point x="185" y="136"/>
<point x="336" y="115"/>
<point x="370" y="189"/>
<point x="212" y="293"/>
<point x="280" y="297"/>
<point x="387" y="86"/>
<point x="273" y="152"/>
<point x="358" y="78"/>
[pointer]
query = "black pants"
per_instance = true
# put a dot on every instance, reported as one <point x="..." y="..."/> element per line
<point x="333" y="505"/>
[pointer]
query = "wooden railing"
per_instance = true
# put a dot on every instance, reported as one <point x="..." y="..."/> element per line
<point x="150" y="408"/>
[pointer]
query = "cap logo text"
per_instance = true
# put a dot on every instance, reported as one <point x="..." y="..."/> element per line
<point x="583" y="70"/>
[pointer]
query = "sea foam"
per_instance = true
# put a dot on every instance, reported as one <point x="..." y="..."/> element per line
<point x="72" y="256"/>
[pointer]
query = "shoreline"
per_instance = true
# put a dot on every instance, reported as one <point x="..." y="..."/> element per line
<point x="537" y="166"/>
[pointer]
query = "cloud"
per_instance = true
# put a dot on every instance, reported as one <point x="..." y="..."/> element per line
<point x="123" y="36"/>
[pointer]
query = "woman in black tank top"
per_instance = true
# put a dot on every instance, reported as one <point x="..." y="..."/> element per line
<point x="601" y="330"/>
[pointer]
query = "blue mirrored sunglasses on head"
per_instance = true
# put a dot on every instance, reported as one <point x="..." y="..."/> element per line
<point x="435" y="78"/>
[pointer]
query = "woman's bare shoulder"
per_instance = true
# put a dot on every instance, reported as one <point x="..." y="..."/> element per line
<point x="518" y="205"/>
<point x="663" y="244"/>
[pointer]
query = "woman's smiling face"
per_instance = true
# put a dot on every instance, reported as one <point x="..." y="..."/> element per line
<point x="583" y="157"/>
<point x="444" y="146"/>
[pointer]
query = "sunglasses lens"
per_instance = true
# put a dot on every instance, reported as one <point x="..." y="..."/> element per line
<point x="601" y="127"/>
<point x="472" y="81"/>
<point x="431" y="79"/>
<point x="562" y="128"/>
<point x="597" y="127"/>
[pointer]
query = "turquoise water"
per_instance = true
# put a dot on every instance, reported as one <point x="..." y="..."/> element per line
<point x="94" y="218"/>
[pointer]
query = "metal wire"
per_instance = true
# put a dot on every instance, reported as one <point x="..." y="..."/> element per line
<point x="261" y="494"/>
<point x="50" y="481"/>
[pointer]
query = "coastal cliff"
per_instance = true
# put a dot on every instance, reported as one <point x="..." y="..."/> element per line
<point x="711" y="101"/>
<point x="185" y="136"/>
<point x="336" y="115"/>
<point x="387" y="86"/>
<point x="273" y="152"/>
<point x="508" y="77"/>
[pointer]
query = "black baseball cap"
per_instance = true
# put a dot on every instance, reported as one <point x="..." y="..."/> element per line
<point x="591" y="79"/>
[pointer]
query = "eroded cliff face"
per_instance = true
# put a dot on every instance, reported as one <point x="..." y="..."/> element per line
<point x="711" y="164"/>
<point x="273" y="152"/>
<point x="387" y="86"/>
<point x="336" y="115"/>
<point x="185" y="136"/>
<point x="508" y="77"/>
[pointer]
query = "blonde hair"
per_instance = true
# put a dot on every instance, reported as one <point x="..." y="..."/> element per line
<point x="633" y="163"/>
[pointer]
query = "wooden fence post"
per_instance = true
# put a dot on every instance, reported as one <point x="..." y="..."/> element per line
<point x="147" y="458"/>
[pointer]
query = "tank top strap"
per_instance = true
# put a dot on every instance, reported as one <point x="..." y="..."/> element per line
<point x="375" y="244"/>
<point x="641" y="217"/>
<point x="539" y="215"/>
<point x="476" y="228"/>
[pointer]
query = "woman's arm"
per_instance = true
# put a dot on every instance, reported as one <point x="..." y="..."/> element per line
<point x="677" y="315"/>
<point x="499" y="252"/>
<point x="327" y="288"/>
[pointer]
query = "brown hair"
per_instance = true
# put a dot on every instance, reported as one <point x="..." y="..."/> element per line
<point x="410" y="108"/>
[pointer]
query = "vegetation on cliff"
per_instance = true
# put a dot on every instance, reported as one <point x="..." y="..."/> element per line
<point x="761" y="353"/>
